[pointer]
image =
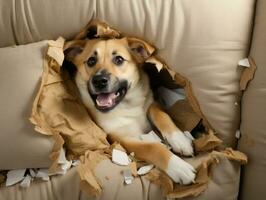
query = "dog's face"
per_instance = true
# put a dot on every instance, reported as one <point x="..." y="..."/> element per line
<point x="107" y="69"/>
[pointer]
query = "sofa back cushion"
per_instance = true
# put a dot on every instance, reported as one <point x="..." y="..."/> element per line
<point x="20" y="71"/>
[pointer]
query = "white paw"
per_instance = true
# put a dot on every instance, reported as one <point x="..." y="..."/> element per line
<point x="181" y="143"/>
<point x="180" y="171"/>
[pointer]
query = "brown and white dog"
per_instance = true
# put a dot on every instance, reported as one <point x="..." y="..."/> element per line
<point x="117" y="93"/>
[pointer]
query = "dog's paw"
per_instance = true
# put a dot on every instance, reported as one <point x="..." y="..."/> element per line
<point x="181" y="143"/>
<point x="180" y="171"/>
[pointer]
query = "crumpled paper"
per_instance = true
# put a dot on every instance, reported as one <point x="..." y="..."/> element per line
<point x="58" y="111"/>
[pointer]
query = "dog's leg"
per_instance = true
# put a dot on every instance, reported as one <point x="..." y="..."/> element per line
<point x="157" y="154"/>
<point x="175" y="137"/>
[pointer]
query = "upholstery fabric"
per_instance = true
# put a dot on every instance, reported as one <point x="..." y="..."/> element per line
<point x="253" y="137"/>
<point x="20" y="71"/>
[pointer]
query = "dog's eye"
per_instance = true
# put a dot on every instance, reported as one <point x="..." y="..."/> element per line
<point x="118" y="60"/>
<point x="92" y="61"/>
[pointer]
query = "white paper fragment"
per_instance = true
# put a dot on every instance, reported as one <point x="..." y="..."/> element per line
<point x="32" y="173"/>
<point x="15" y="176"/>
<point x="244" y="62"/>
<point x="188" y="135"/>
<point x="145" y="169"/>
<point x="43" y="174"/>
<point x="238" y="134"/>
<point x="168" y="97"/>
<point x="75" y="163"/>
<point x="120" y="157"/>
<point x="26" y="182"/>
<point x="62" y="157"/>
<point x="63" y="162"/>
<point x="65" y="167"/>
<point x="128" y="178"/>
<point x="150" y="137"/>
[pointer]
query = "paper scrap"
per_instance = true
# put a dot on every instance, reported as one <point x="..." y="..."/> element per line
<point x="75" y="163"/>
<point x="244" y="62"/>
<point x="247" y="74"/>
<point x="128" y="178"/>
<point x="120" y="157"/>
<point x="62" y="157"/>
<point x="43" y="174"/>
<point x="133" y="167"/>
<point x="238" y="134"/>
<point x="145" y="169"/>
<point x="168" y="97"/>
<point x="150" y="137"/>
<point x="15" y="176"/>
<point x="26" y="181"/>
<point x="33" y="173"/>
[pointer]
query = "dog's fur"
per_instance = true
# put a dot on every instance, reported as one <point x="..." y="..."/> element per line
<point x="126" y="112"/>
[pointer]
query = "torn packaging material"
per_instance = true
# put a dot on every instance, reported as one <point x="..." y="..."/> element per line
<point x="58" y="111"/>
<point x="248" y="73"/>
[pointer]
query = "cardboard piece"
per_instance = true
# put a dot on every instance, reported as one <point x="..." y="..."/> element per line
<point x="247" y="74"/>
<point x="58" y="111"/>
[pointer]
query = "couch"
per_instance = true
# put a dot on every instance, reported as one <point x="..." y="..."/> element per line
<point x="202" y="40"/>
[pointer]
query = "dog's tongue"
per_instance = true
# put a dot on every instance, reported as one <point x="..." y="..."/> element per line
<point x="106" y="100"/>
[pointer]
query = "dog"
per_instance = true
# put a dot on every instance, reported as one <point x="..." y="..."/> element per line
<point x="117" y="93"/>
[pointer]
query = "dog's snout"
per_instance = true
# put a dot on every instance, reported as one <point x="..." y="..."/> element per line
<point x="100" y="81"/>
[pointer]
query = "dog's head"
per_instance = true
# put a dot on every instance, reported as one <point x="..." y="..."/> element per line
<point x="107" y="68"/>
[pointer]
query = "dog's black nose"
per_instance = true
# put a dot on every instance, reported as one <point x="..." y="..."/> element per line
<point x="100" y="81"/>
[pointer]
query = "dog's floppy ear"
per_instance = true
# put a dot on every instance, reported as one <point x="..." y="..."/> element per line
<point x="140" y="49"/>
<point x="73" y="48"/>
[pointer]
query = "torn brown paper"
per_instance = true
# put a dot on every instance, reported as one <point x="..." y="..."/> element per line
<point x="247" y="74"/>
<point x="184" y="116"/>
<point x="206" y="142"/>
<point x="89" y="182"/>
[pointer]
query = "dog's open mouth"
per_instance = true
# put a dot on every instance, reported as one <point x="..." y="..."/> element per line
<point x="107" y="101"/>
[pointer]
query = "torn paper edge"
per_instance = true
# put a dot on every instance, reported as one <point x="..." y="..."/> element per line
<point x="168" y="97"/>
<point x="26" y="182"/>
<point x="145" y="169"/>
<point x="15" y="176"/>
<point x="120" y="157"/>
<point x="128" y="178"/>
<point x="244" y="62"/>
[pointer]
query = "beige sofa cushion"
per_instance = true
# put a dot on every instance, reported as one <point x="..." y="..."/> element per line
<point x="20" y="71"/>
<point x="67" y="187"/>
<point x="253" y="126"/>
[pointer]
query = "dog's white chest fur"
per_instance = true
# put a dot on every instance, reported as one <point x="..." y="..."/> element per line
<point x="129" y="117"/>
